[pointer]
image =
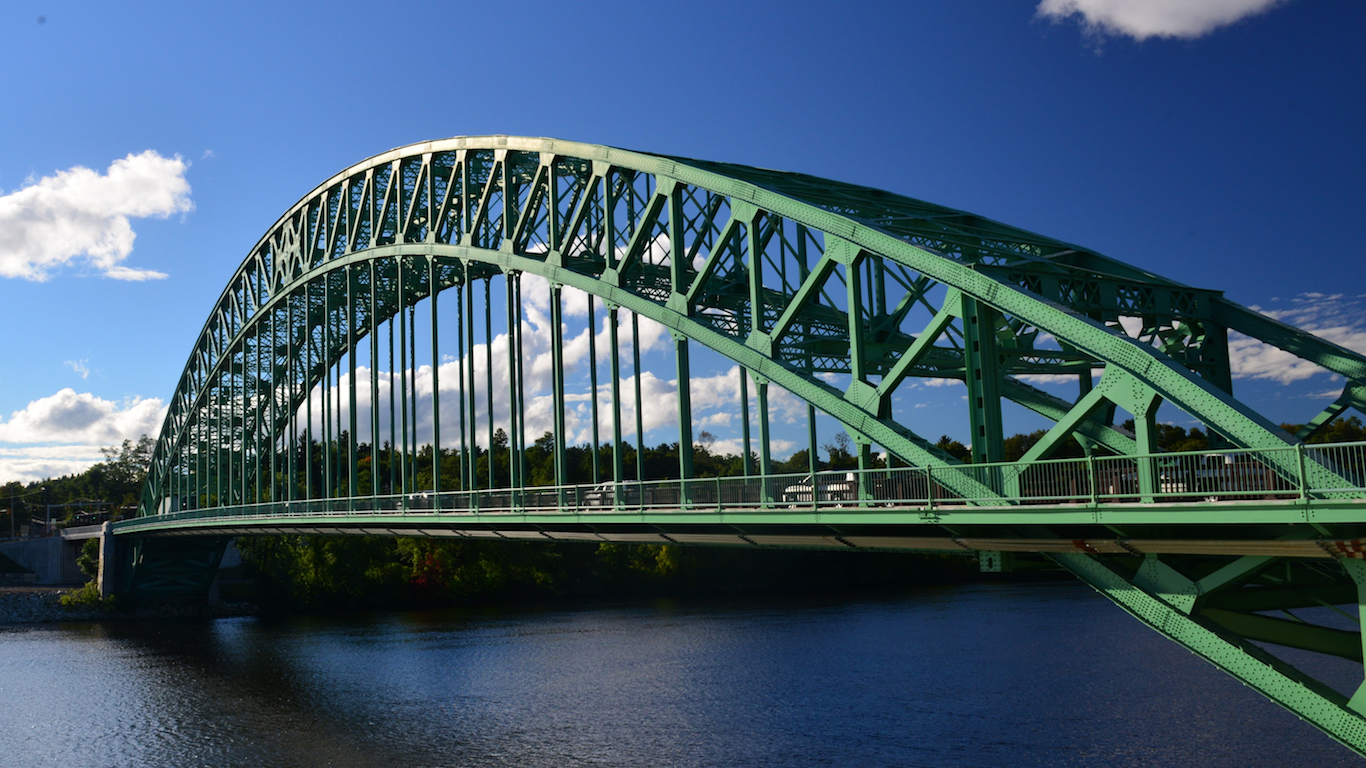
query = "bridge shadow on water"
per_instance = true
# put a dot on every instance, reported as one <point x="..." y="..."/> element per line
<point x="1045" y="674"/>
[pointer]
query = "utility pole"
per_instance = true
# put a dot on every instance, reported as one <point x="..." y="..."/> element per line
<point x="11" y="513"/>
<point x="47" y="502"/>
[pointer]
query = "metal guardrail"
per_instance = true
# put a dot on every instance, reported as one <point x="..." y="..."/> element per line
<point x="1294" y="472"/>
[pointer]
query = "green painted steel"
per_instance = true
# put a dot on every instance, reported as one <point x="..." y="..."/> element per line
<point x="467" y="209"/>
<point x="1219" y="642"/>
<point x="158" y="568"/>
<point x="1189" y="489"/>
<point x="837" y="294"/>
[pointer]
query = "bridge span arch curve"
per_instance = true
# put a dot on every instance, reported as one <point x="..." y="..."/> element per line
<point x="838" y="294"/>
<point x="801" y="281"/>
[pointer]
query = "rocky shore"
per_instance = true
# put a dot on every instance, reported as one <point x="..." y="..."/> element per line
<point x="42" y="605"/>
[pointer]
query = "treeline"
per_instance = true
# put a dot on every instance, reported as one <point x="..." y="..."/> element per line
<point x="293" y="573"/>
<point x="325" y="467"/>
<point x="322" y="470"/>
<point x="116" y="481"/>
<point x="289" y="573"/>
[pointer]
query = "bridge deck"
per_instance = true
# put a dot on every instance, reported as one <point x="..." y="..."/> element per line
<point x="1072" y="503"/>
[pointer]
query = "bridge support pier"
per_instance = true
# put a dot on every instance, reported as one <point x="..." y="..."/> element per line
<point x="106" y="577"/>
<point x="1222" y="631"/>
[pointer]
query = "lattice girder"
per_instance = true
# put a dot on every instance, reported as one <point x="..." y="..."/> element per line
<point x="788" y="275"/>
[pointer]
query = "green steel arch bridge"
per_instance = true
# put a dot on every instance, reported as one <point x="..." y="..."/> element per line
<point x="340" y="386"/>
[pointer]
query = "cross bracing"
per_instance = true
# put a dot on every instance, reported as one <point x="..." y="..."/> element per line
<point x="789" y="275"/>
<point x="837" y="294"/>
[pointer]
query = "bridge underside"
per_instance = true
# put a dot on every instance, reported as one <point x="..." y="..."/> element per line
<point x="373" y="368"/>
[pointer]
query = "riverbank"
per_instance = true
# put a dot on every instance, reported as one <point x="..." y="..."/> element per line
<point x="42" y="605"/>
<point x="297" y="575"/>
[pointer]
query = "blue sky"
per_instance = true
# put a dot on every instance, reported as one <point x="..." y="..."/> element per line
<point x="1220" y="146"/>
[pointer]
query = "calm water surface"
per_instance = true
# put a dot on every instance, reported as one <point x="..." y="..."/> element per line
<point x="1034" y="675"/>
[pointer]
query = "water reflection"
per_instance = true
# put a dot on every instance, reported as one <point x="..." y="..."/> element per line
<point x="1033" y="675"/>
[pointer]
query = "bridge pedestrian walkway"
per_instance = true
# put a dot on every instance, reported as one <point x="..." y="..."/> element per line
<point x="1316" y="484"/>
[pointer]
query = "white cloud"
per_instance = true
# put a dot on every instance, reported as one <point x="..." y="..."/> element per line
<point x="777" y="449"/>
<point x="718" y="419"/>
<point x="659" y="397"/>
<point x="29" y="463"/>
<point x="720" y="391"/>
<point x="82" y="418"/>
<point x="1337" y="318"/>
<point x="1133" y="326"/>
<point x="1142" y="19"/>
<point x="1070" y="379"/>
<point x="1038" y="379"/>
<point x="715" y="401"/>
<point x="785" y="406"/>
<point x="80" y="215"/>
<point x="74" y="425"/>
<point x="1327" y="394"/>
<point x="81" y="367"/>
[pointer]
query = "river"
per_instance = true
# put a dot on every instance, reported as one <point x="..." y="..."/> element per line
<point x="1022" y="674"/>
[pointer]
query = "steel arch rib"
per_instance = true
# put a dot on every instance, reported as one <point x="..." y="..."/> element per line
<point x="280" y="262"/>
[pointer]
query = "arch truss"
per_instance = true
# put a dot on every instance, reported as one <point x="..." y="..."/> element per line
<point x="353" y="356"/>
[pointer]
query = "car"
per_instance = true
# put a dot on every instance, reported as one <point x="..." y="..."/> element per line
<point x="829" y="487"/>
<point x="628" y="493"/>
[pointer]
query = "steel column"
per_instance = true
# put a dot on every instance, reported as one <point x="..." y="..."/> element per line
<point x="593" y="382"/>
<point x="436" y="386"/>
<point x="618" y="459"/>
<point x="557" y="385"/>
<point x="488" y="369"/>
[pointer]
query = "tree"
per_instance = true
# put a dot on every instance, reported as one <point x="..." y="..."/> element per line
<point x="128" y="464"/>
<point x="1171" y="437"/>
<point x="1348" y="430"/>
<point x="841" y="452"/>
<point x="1018" y="445"/>
<point x="954" y="448"/>
<point x="797" y="463"/>
<point x="705" y="440"/>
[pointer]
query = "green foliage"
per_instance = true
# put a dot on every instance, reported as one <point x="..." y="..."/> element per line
<point x="127" y="464"/>
<point x="1171" y="437"/>
<point x="89" y="558"/>
<point x="1348" y="430"/>
<point x="354" y="572"/>
<point x="660" y="462"/>
<point x="117" y="480"/>
<point x="88" y="596"/>
<point x="797" y="463"/>
<point x="1018" y="445"/>
<point x="323" y="572"/>
<point x="954" y="448"/>
<point x="841" y="452"/>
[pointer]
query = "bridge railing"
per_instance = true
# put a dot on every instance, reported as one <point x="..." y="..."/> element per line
<point x="1293" y="472"/>
<point x="1346" y="461"/>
